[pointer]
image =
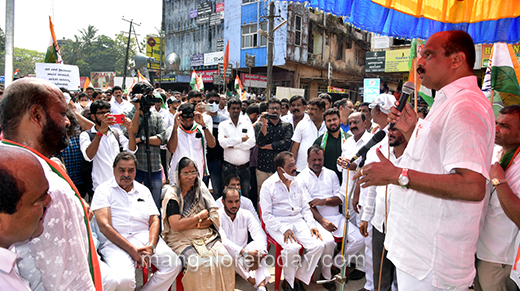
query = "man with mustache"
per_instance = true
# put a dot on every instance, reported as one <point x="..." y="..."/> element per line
<point x="129" y="219"/>
<point x="442" y="172"/>
<point x="289" y="220"/>
<point x="298" y="105"/>
<point x="307" y="131"/>
<point x="235" y="224"/>
<point x="23" y="200"/>
<point x="33" y="116"/>
<point x="332" y="140"/>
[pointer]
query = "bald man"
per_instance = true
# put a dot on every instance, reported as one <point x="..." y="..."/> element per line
<point x="23" y="201"/>
<point x="33" y="116"/>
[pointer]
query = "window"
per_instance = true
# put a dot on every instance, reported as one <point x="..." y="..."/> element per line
<point x="298" y="30"/>
<point x="248" y="1"/>
<point x="263" y="40"/>
<point x="339" y="52"/>
<point x="249" y="36"/>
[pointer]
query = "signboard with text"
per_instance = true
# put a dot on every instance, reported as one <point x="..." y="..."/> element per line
<point x="203" y="12"/>
<point x="197" y="60"/>
<point x="66" y="76"/>
<point x="255" y="81"/>
<point x="335" y="90"/>
<point x="211" y="59"/>
<point x="153" y="49"/>
<point x="397" y="60"/>
<point x="102" y="79"/>
<point x="207" y="76"/>
<point x="486" y="53"/>
<point x="375" y="62"/>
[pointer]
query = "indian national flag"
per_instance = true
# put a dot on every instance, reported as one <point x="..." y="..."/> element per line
<point x="53" y="51"/>
<point x="16" y="72"/>
<point x="196" y="82"/>
<point x="238" y="85"/>
<point x="502" y="77"/>
<point x="425" y="93"/>
<point x="86" y="84"/>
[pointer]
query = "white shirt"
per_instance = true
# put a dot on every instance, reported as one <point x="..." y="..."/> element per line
<point x="282" y="206"/>
<point x="130" y="211"/>
<point x="374" y="204"/>
<point x="245" y="204"/>
<point x="289" y="118"/>
<point x="9" y="277"/>
<point x="224" y="111"/>
<point x="120" y="108"/>
<point x="322" y="187"/>
<point x="305" y="134"/>
<point x="103" y="161"/>
<point x="236" y="231"/>
<point x="64" y="241"/>
<point x="496" y="242"/>
<point x="189" y="146"/>
<point x="429" y="234"/>
<point x="348" y="149"/>
<point x="236" y="151"/>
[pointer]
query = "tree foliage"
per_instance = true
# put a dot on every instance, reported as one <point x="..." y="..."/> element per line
<point x="23" y="59"/>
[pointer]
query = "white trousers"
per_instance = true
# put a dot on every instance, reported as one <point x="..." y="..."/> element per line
<point x="328" y="251"/>
<point x="290" y="254"/>
<point x="369" y="267"/>
<point x="122" y="266"/>
<point x="260" y="274"/>
<point x="408" y="282"/>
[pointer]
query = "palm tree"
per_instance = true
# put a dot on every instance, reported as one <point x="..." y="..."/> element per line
<point x="88" y="36"/>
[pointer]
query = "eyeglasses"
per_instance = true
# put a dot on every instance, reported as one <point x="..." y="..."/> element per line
<point x="187" y="174"/>
<point x="214" y="101"/>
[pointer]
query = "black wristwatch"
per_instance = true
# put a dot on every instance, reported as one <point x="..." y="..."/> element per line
<point x="204" y="127"/>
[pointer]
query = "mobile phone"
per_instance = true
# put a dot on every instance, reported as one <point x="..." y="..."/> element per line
<point x="198" y="135"/>
<point x="244" y="130"/>
<point x="119" y="118"/>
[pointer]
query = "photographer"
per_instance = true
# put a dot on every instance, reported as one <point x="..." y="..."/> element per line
<point x="143" y="100"/>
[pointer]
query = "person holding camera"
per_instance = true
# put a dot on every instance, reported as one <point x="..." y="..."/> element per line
<point x="101" y="144"/>
<point x="156" y="137"/>
<point x="272" y="137"/>
<point x="190" y="137"/>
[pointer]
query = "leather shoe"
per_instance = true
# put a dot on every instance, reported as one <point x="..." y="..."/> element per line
<point x="298" y="286"/>
<point x="286" y="286"/>
<point x="331" y="286"/>
<point x="356" y="275"/>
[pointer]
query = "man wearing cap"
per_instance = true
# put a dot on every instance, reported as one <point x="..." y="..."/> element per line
<point x="190" y="137"/>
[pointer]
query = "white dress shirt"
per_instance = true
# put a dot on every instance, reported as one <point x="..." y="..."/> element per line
<point x="188" y="145"/>
<point x="224" y="111"/>
<point x="348" y="150"/>
<point x="496" y="242"/>
<point x="245" y="204"/>
<point x="236" y="151"/>
<point x="289" y="119"/>
<point x="120" y="108"/>
<point x="9" y="277"/>
<point x="305" y="134"/>
<point x="281" y="207"/>
<point x="429" y="234"/>
<point x="103" y="161"/>
<point x="130" y="211"/>
<point x="322" y="187"/>
<point x="374" y="209"/>
<point x="236" y="231"/>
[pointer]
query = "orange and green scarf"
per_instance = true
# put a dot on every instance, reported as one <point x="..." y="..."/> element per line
<point x="195" y="129"/>
<point x="95" y="271"/>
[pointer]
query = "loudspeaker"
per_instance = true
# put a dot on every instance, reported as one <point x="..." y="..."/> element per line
<point x="172" y="62"/>
<point x="141" y="60"/>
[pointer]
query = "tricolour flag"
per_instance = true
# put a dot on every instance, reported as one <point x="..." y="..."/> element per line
<point x="53" y="51"/>
<point x="238" y="85"/>
<point x="425" y="93"/>
<point x="502" y="77"/>
<point x="16" y="72"/>
<point x="196" y="82"/>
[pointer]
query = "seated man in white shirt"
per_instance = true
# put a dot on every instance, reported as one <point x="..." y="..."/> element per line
<point x="23" y="200"/>
<point x="289" y="220"/>
<point x="127" y="216"/>
<point x="322" y="185"/>
<point x="233" y="180"/>
<point x="235" y="224"/>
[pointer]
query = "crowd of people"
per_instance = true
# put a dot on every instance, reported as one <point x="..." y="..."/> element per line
<point x="95" y="184"/>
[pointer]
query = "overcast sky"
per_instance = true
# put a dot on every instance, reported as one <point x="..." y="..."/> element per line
<point x="31" y="25"/>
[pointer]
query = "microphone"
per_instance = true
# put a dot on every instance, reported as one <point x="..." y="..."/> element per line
<point x="408" y="89"/>
<point x="373" y="141"/>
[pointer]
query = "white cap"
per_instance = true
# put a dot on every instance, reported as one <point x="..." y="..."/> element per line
<point x="384" y="101"/>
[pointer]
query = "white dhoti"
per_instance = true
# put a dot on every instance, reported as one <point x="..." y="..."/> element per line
<point x="122" y="266"/>
<point x="290" y="254"/>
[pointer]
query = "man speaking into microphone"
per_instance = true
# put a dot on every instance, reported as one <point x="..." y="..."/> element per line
<point x="433" y="222"/>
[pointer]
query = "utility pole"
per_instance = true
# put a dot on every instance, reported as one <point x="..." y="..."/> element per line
<point x="127" y="49"/>
<point x="270" y="49"/>
<point x="9" y="42"/>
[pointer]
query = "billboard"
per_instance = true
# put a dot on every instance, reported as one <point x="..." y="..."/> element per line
<point x="101" y="80"/>
<point x="397" y="60"/>
<point x="153" y="49"/>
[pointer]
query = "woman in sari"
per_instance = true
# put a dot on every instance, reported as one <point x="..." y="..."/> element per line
<point x="191" y="224"/>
